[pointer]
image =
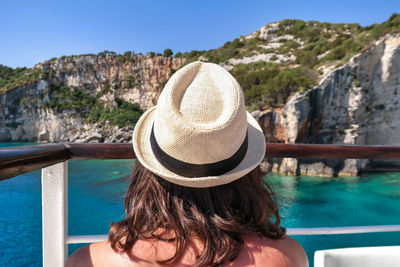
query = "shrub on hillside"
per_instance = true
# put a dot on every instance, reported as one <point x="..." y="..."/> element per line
<point x="307" y="58"/>
<point x="90" y="107"/>
<point x="62" y="97"/>
<point x="130" y="81"/>
<point x="123" y="115"/>
<point x="167" y="52"/>
<point x="267" y="85"/>
<point x="9" y="75"/>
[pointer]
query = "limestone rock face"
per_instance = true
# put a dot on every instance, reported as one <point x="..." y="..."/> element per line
<point x="25" y="117"/>
<point x="5" y="135"/>
<point x="91" y="73"/>
<point x="358" y="103"/>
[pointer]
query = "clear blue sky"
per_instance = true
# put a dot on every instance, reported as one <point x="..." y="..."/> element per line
<point x="34" y="30"/>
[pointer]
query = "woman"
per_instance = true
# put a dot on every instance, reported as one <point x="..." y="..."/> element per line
<point x="197" y="197"/>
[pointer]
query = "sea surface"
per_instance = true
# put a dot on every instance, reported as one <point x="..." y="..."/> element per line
<point x="96" y="195"/>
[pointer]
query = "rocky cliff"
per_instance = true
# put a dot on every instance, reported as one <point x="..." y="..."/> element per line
<point x="358" y="103"/>
<point x="33" y="112"/>
<point x="306" y="81"/>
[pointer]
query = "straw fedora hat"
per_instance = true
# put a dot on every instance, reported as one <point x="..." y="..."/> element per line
<point x="199" y="134"/>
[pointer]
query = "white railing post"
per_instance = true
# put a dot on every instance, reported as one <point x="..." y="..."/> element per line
<point x="55" y="214"/>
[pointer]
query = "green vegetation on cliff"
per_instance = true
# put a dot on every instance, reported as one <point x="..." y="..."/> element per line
<point x="340" y="39"/>
<point x="314" y="45"/>
<point x="9" y="75"/>
<point x="123" y="115"/>
<point x="90" y="107"/>
<point x="11" y="78"/>
<point x="390" y="26"/>
<point x="292" y="56"/>
<point x="63" y="97"/>
<point x="167" y="53"/>
<point x="266" y="84"/>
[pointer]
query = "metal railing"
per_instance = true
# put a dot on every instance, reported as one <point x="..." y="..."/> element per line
<point x="53" y="160"/>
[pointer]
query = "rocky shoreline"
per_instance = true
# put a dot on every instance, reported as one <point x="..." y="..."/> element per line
<point x="103" y="133"/>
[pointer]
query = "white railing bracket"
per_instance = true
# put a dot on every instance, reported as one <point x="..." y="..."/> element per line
<point x="55" y="214"/>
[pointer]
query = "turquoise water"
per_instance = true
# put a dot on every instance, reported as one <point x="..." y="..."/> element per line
<point x="96" y="194"/>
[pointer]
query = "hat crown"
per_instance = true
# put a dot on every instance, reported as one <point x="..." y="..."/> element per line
<point x="201" y="115"/>
<point x="209" y="102"/>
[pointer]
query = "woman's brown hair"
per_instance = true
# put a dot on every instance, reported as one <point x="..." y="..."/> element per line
<point x="219" y="216"/>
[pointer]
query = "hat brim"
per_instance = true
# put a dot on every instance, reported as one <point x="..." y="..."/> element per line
<point x="141" y="144"/>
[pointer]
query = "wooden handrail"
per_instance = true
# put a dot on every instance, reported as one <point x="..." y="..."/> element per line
<point x="315" y="151"/>
<point x="101" y="151"/>
<point x="23" y="159"/>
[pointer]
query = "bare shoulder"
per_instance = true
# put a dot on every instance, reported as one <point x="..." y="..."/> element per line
<point x="96" y="255"/>
<point x="79" y="258"/>
<point x="284" y="252"/>
<point x="294" y="251"/>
